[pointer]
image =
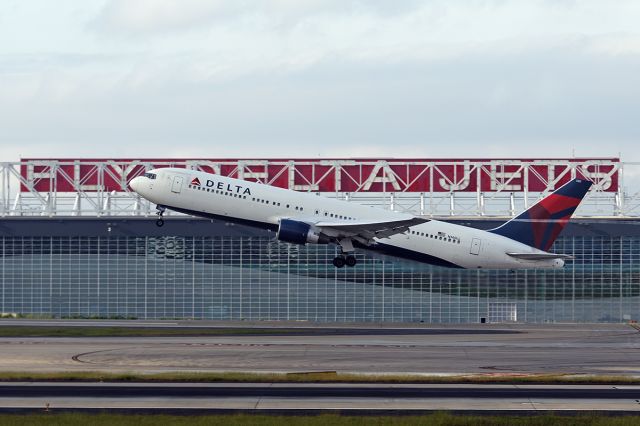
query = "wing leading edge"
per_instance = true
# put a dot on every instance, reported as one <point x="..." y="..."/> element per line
<point x="367" y="231"/>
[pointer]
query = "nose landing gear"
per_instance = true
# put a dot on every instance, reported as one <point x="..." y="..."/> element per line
<point x="160" y="212"/>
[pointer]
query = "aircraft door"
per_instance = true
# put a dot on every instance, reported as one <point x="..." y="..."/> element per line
<point x="475" y="246"/>
<point x="176" y="185"/>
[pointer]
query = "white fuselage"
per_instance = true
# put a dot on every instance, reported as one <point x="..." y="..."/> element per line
<point x="263" y="206"/>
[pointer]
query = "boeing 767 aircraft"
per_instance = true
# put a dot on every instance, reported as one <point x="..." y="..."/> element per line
<point x="307" y="218"/>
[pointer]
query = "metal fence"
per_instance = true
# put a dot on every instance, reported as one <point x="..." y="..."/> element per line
<point x="124" y="268"/>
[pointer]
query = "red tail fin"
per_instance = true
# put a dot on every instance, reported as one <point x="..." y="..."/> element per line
<point x="541" y="224"/>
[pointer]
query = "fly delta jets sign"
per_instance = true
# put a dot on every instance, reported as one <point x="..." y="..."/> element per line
<point x="333" y="175"/>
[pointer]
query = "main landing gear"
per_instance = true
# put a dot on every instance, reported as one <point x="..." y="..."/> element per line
<point x="341" y="260"/>
<point x="160" y="212"/>
<point x="346" y="256"/>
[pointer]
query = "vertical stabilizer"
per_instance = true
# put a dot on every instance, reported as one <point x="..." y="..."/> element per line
<point x="541" y="224"/>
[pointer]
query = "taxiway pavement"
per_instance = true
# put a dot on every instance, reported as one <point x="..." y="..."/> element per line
<point x="473" y="349"/>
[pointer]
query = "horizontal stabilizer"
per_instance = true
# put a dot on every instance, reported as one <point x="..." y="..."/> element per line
<point x="539" y="256"/>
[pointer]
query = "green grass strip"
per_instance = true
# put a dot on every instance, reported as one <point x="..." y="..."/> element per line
<point x="80" y="331"/>
<point x="312" y="377"/>
<point x="437" y="419"/>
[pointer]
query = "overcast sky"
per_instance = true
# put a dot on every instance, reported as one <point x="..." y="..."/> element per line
<point x="295" y="78"/>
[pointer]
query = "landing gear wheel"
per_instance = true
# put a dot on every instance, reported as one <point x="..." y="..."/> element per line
<point x="160" y="212"/>
<point x="351" y="261"/>
<point x="338" y="261"/>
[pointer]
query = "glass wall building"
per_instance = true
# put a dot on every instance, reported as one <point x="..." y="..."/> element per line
<point x="200" y="269"/>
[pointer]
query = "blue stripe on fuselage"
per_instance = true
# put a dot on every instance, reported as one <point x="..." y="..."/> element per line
<point x="382" y="248"/>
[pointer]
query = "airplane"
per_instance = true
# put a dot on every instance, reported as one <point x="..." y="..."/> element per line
<point x="307" y="218"/>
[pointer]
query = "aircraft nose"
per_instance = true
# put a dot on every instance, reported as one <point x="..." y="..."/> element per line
<point x="136" y="183"/>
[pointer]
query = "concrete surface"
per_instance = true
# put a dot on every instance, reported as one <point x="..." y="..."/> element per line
<point x="496" y="349"/>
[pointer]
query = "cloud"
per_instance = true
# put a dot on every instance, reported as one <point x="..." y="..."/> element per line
<point x="143" y="16"/>
<point x="529" y="103"/>
<point x="160" y="16"/>
<point x="290" y="78"/>
<point x="616" y="44"/>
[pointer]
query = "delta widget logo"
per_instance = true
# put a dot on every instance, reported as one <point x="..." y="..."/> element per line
<point x="195" y="182"/>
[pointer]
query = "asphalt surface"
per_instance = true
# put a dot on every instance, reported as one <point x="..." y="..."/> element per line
<point x="273" y="397"/>
<point x="485" y="350"/>
<point x="59" y="390"/>
<point x="600" y="349"/>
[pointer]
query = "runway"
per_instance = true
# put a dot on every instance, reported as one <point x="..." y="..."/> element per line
<point x="486" y="350"/>
<point x="471" y="349"/>
<point x="364" y="398"/>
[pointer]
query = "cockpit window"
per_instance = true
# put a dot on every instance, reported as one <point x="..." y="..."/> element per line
<point x="150" y="175"/>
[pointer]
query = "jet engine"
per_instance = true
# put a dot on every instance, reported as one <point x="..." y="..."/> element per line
<point x="293" y="231"/>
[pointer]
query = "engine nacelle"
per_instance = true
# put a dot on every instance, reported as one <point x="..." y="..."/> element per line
<point x="293" y="231"/>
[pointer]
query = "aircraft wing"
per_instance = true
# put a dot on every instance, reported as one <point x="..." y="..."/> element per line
<point x="367" y="231"/>
<point x="539" y="256"/>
